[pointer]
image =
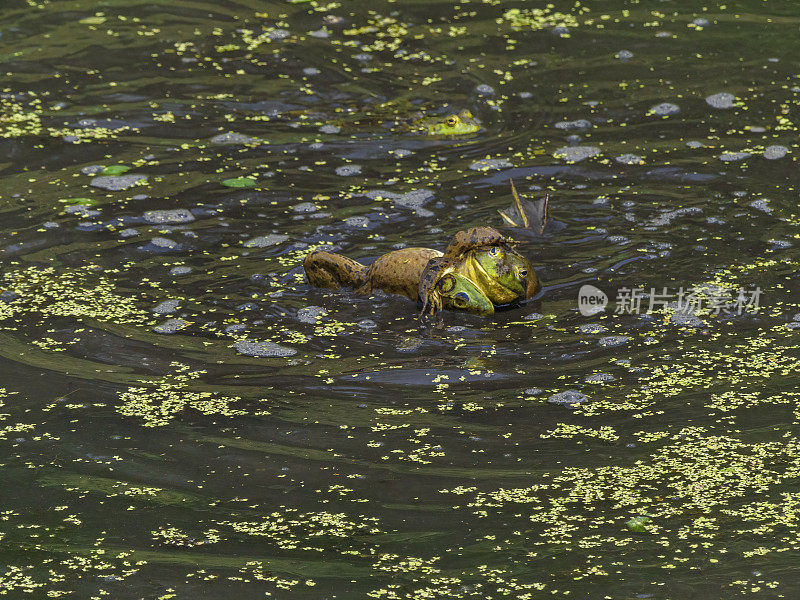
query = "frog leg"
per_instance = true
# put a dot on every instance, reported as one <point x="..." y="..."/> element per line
<point x="329" y="270"/>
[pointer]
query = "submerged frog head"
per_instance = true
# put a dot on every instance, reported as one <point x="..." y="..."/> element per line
<point x="459" y="293"/>
<point x="461" y="123"/>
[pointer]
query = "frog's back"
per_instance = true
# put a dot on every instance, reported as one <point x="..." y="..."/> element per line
<point x="399" y="272"/>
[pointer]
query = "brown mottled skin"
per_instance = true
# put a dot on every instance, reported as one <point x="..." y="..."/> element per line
<point x="396" y="272"/>
<point x="469" y="239"/>
<point x="328" y="270"/>
<point x="415" y="272"/>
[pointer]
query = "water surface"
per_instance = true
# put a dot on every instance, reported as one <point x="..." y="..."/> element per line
<point x="371" y="454"/>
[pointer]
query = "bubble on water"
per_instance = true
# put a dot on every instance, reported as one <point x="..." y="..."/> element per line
<point x="357" y="221"/>
<point x="278" y="34"/>
<point x="576" y="153"/>
<point x="665" y="109"/>
<point x="168" y="217"/>
<point x="118" y="183"/>
<point x="81" y="211"/>
<point x="305" y="207"/>
<point x="685" y="320"/>
<point x="126" y="233"/>
<point x="264" y="241"/>
<point x="262" y="349"/>
<point x="611" y="341"/>
<point x="490" y="164"/>
<point x="590" y="328"/>
<point x="171" y="326"/>
<point x="484" y="90"/>
<point x="733" y="156"/>
<point x="348" y="170"/>
<point x="166" y="307"/>
<point x="330" y="129"/>
<point x="624" y="55"/>
<point x="413" y="199"/>
<point x="721" y="101"/>
<point x="311" y="314"/>
<point x="762" y="204"/>
<point x="180" y="270"/>
<point x="311" y="71"/>
<point x="163" y="243"/>
<point x="232" y="139"/>
<point x="775" y="152"/>
<point x="577" y="124"/>
<point x="600" y="378"/>
<point x="568" y="398"/>
<point x="629" y="159"/>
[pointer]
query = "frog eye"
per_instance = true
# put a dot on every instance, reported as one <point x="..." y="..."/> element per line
<point x="460" y="299"/>
<point x="495" y="251"/>
<point x="522" y="273"/>
<point x="446" y="284"/>
<point x="452" y="120"/>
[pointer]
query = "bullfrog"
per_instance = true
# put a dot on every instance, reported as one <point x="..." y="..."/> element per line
<point x="460" y="123"/>
<point x="486" y="258"/>
<point x="478" y="271"/>
<point x="397" y="272"/>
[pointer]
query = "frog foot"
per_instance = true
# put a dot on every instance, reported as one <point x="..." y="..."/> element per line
<point x="526" y="214"/>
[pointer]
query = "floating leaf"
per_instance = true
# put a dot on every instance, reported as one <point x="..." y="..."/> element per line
<point x="115" y="170"/>
<point x="78" y="201"/>
<point x="638" y="524"/>
<point x="96" y="20"/>
<point x="239" y="182"/>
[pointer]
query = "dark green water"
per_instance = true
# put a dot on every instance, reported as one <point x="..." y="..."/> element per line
<point x="374" y="455"/>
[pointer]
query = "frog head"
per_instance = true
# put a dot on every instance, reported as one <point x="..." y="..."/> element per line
<point x="500" y="273"/>
<point x="459" y="293"/>
<point x="461" y="123"/>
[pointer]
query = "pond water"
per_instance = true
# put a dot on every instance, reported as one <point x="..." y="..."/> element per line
<point x="183" y="416"/>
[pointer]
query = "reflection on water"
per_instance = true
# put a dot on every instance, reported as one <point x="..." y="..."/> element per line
<point x="184" y="416"/>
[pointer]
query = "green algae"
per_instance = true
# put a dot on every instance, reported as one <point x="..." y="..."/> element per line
<point x="332" y="489"/>
<point x="163" y="399"/>
<point x="239" y="182"/>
